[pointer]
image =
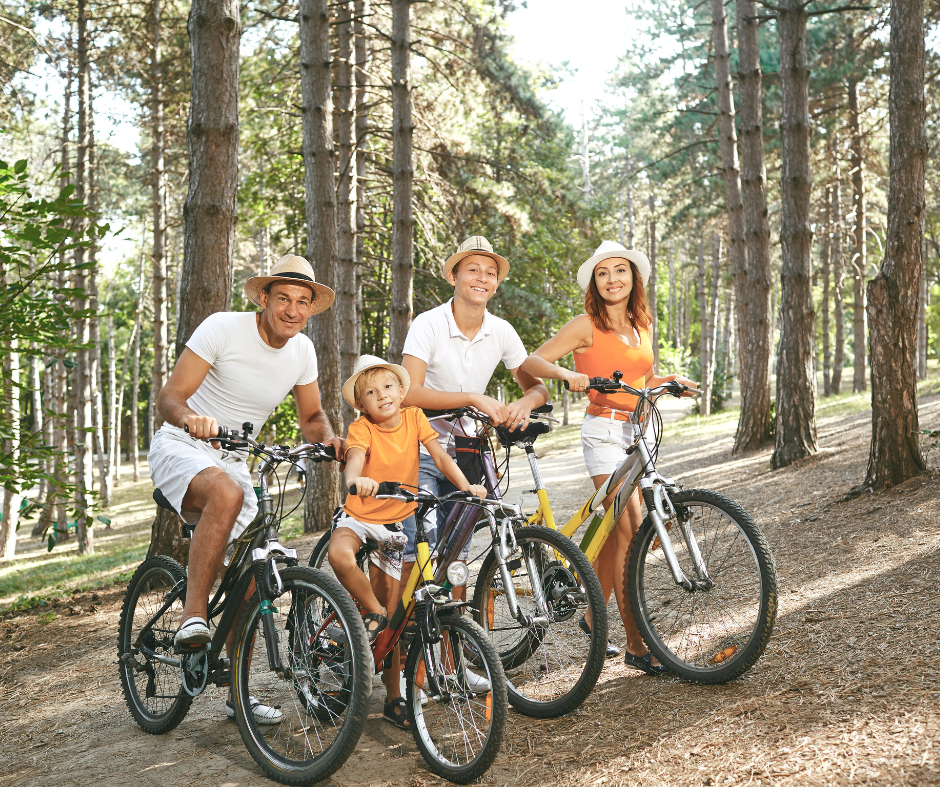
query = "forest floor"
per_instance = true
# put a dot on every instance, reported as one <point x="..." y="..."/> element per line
<point x="847" y="693"/>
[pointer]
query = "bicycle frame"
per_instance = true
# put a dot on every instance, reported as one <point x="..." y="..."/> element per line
<point x="637" y="470"/>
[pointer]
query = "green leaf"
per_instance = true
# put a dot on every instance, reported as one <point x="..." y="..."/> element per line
<point x="20" y="166"/>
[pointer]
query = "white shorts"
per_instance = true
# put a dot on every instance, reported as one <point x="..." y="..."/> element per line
<point x="605" y="442"/>
<point x="390" y="538"/>
<point x="175" y="459"/>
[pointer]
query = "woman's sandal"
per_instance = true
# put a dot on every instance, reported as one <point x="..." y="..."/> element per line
<point x="644" y="663"/>
<point x="395" y="712"/>
<point x="379" y="619"/>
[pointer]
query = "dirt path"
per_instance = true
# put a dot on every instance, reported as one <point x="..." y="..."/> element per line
<point x="847" y="692"/>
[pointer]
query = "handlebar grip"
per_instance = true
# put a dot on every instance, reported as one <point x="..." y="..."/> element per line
<point x="352" y="489"/>
<point x="387" y="488"/>
<point x="222" y="432"/>
<point x="565" y="384"/>
<point x="330" y="451"/>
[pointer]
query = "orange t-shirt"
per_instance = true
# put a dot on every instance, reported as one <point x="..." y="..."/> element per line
<point x="391" y="456"/>
<point x="610" y="353"/>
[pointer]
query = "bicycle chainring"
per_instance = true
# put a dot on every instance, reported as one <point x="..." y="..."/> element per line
<point x="562" y="591"/>
<point x="194" y="671"/>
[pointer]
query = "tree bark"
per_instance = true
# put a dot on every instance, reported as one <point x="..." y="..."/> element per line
<point x="344" y="112"/>
<point x="922" y="299"/>
<point x="9" y="516"/>
<point x="859" y="261"/>
<point x="361" y="46"/>
<point x="702" y="297"/>
<point x="158" y="193"/>
<point x="825" y="265"/>
<point x="209" y="212"/>
<point x="323" y="484"/>
<point x="673" y="299"/>
<point x="895" y="453"/>
<point x="402" y="177"/>
<point x="838" y="274"/>
<point x="133" y="441"/>
<point x="652" y="291"/>
<point x="752" y="299"/>
<point x="796" y="384"/>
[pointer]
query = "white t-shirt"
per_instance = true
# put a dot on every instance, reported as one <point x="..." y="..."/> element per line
<point x="247" y="378"/>
<point x="458" y="363"/>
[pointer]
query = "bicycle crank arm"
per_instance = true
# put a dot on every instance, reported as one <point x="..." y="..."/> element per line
<point x="175" y="663"/>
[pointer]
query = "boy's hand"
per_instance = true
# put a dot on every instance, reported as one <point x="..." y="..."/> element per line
<point x="478" y="490"/>
<point x="364" y="486"/>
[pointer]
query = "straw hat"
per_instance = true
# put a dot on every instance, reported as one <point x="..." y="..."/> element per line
<point x="293" y="270"/>
<point x="606" y="251"/>
<point x="477" y="244"/>
<point x="365" y="363"/>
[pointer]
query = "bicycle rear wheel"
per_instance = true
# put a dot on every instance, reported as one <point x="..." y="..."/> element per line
<point x="460" y="731"/>
<point x="152" y="689"/>
<point x="707" y="636"/>
<point x="325" y="690"/>
<point x="552" y="664"/>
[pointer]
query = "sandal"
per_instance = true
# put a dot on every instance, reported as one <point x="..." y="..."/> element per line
<point x="396" y="712"/>
<point x="379" y="619"/>
<point x="644" y="663"/>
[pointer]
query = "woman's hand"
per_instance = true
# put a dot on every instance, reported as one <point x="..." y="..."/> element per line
<point x="576" y="381"/>
<point x="364" y="486"/>
<point x="478" y="490"/>
<point x="686" y="382"/>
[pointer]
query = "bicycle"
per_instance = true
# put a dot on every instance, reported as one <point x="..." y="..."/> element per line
<point x="705" y="603"/>
<point x="300" y="643"/>
<point x="546" y="587"/>
<point x="457" y="724"/>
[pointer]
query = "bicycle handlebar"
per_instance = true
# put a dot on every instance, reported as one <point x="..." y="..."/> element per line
<point x="608" y="386"/>
<point x="396" y="490"/>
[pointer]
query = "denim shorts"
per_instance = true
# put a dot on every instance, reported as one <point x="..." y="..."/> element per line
<point x="430" y="478"/>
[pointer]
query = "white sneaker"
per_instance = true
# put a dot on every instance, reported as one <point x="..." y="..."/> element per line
<point x="477" y="683"/>
<point x="421" y="693"/>
<point x="264" y="715"/>
<point x="193" y="632"/>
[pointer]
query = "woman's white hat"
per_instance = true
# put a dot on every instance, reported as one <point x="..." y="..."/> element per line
<point x="605" y="251"/>
<point x="293" y="270"/>
<point x="365" y="363"/>
<point x="477" y="244"/>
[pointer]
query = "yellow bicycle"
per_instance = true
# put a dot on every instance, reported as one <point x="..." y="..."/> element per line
<point x="701" y="579"/>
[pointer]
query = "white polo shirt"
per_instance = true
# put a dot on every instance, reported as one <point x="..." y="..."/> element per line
<point x="459" y="363"/>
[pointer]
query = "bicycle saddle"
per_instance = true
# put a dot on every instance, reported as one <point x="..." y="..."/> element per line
<point x="186" y="529"/>
<point x="528" y="435"/>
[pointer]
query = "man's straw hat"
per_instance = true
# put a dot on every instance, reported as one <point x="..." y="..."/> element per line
<point x="293" y="270"/>
<point x="477" y="244"/>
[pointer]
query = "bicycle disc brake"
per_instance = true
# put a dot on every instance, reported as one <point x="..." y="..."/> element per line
<point x="194" y="671"/>
<point x="562" y="591"/>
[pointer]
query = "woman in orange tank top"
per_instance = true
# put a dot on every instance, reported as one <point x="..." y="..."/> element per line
<point x="614" y="334"/>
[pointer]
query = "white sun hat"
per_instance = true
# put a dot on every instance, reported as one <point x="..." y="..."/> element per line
<point x="364" y="364"/>
<point x="607" y="250"/>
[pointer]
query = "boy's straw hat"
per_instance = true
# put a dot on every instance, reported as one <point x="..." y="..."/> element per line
<point x="293" y="270"/>
<point x="365" y="363"/>
<point x="477" y="244"/>
<point x="607" y="250"/>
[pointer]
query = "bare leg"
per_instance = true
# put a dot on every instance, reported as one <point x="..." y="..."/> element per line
<point x="611" y="564"/>
<point x="219" y="500"/>
<point x="386" y="590"/>
<point x="343" y="546"/>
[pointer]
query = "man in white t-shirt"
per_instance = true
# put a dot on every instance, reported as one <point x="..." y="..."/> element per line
<point x="451" y="353"/>
<point x="237" y="367"/>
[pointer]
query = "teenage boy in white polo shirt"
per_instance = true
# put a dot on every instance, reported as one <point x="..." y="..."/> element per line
<point x="451" y="352"/>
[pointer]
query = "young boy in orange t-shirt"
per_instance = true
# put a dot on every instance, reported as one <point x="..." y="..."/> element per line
<point x="382" y="445"/>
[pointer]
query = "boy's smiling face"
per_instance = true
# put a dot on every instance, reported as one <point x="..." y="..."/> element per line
<point x="381" y="398"/>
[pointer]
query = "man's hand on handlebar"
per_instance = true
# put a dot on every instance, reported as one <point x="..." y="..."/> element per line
<point x="201" y="428"/>
<point x="478" y="490"/>
<point x="493" y="408"/>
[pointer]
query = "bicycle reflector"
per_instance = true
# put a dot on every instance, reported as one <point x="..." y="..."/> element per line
<point x="458" y="574"/>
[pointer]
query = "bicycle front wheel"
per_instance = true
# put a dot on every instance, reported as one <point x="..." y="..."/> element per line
<point x="152" y="689"/>
<point x="323" y="694"/>
<point x="714" y="634"/>
<point x="551" y="662"/>
<point x="460" y="730"/>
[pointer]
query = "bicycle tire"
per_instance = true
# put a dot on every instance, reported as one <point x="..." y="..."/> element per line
<point x="460" y="732"/>
<point x="552" y="668"/>
<point x="325" y="700"/>
<point x="715" y="635"/>
<point x="163" y="703"/>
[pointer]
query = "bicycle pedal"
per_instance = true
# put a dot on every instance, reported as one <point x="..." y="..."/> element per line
<point x="223" y="679"/>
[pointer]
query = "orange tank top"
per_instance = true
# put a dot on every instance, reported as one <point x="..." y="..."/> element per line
<point x="607" y="354"/>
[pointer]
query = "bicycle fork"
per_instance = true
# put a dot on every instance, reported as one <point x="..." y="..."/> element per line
<point x="504" y="539"/>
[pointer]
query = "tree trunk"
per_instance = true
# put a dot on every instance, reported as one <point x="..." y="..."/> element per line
<point x="323" y="483"/>
<point x="895" y="453"/>
<point x="630" y="218"/>
<point x="209" y="212"/>
<point x="344" y="112"/>
<point x="922" y="322"/>
<point x="752" y="300"/>
<point x="702" y="297"/>
<point x="113" y="407"/>
<point x="796" y="384"/>
<point x="838" y="277"/>
<point x="652" y="294"/>
<point x="402" y="176"/>
<point x="859" y="262"/>
<point x="673" y="299"/>
<point x="9" y="516"/>
<point x="83" y="421"/>
<point x="361" y="46"/>
<point x="158" y="192"/>
<point x="687" y="311"/>
<point x="825" y="255"/>
<point x="133" y="441"/>
<point x="731" y="173"/>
